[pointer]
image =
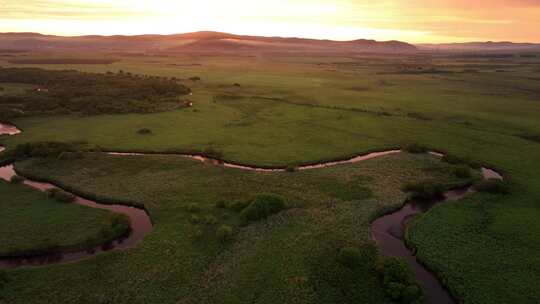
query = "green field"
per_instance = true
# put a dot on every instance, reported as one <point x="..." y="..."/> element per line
<point x="32" y="223"/>
<point x="288" y="111"/>
<point x="290" y="256"/>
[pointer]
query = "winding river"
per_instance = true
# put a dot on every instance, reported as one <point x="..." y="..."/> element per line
<point x="140" y="222"/>
<point x="387" y="231"/>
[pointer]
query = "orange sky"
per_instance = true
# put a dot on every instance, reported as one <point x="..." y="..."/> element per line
<point x="412" y="21"/>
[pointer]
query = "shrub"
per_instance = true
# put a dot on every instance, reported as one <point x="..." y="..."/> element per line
<point x="495" y="186"/>
<point x="238" y="205"/>
<point x="291" y="168"/>
<point x="349" y="257"/>
<point x="412" y="294"/>
<point x="462" y="171"/>
<point x="530" y="136"/>
<point x="424" y="189"/>
<point x="262" y="206"/>
<point x="454" y="160"/>
<point x="415" y="148"/>
<point x="398" y="280"/>
<point x="60" y="195"/>
<point x="213" y="153"/>
<point x="195" y="219"/>
<point x="3" y="278"/>
<point x="144" y="131"/>
<point x="394" y="290"/>
<point x="193" y="208"/>
<point x="64" y="197"/>
<point x="16" y="179"/>
<point x="70" y="155"/>
<point x="393" y="270"/>
<point x="224" y="233"/>
<point x="52" y="192"/>
<point x="221" y="204"/>
<point x="43" y="149"/>
<point x="210" y="220"/>
<point x="198" y="234"/>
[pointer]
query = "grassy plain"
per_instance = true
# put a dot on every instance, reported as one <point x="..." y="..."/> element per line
<point x="291" y="257"/>
<point x="290" y="110"/>
<point x="33" y="223"/>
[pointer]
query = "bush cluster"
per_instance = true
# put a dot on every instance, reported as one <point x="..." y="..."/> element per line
<point x="213" y="153"/>
<point x="261" y="207"/>
<point x="70" y="155"/>
<point x="462" y="171"/>
<point x="45" y="149"/>
<point x="60" y="195"/>
<point x="424" y="189"/>
<point x="210" y="220"/>
<point x="530" y="136"/>
<point x="495" y="186"/>
<point x="16" y="179"/>
<point x="69" y="91"/>
<point x="455" y="160"/>
<point x="415" y="148"/>
<point x="193" y="208"/>
<point x="349" y="257"/>
<point x="238" y="205"/>
<point x="3" y="278"/>
<point x="221" y="204"/>
<point x="291" y="168"/>
<point x="398" y="281"/>
<point x="224" y="233"/>
<point x="144" y="131"/>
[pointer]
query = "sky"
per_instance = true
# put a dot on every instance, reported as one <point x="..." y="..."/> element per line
<point x="417" y="21"/>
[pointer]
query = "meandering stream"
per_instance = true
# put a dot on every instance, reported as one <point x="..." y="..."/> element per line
<point x="388" y="231"/>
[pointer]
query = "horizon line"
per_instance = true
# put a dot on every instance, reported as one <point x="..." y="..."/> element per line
<point x="268" y="36"/>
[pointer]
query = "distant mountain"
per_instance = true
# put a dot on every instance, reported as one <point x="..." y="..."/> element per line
<point x="196" y="42"/>
<point x="481" y="46"/>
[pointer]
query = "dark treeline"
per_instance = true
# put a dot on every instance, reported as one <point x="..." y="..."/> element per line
<point x="62" y="61"/>
<point x="64" y="92"/>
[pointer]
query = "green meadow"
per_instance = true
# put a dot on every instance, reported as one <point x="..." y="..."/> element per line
<point x="291" y="256"/>
<point x="278" y="110"/>
<point x="35" y="224"/>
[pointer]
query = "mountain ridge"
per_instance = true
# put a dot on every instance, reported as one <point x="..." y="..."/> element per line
<point x="203" y="41"/>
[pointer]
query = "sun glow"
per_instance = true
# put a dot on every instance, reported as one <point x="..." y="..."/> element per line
<point x="415" y="21"/>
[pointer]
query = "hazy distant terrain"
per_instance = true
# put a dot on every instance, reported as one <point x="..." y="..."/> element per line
<point x="205" y="42"/>
<point x="481" y="46"/>
<point x="199" y="42"/>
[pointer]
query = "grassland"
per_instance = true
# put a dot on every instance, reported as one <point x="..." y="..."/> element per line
<point x="290" y="257"/>
<point x="33" y="224"/>
<point x="289" y="110"/>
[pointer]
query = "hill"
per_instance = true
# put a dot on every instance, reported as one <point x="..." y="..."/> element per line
<point x="196" y="42"/>
<point x="481" y="46"/>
